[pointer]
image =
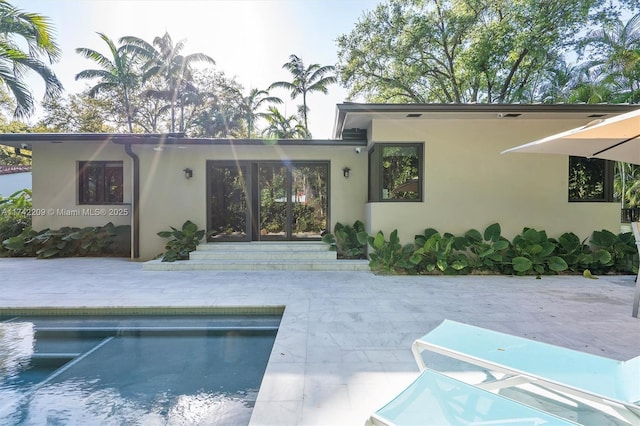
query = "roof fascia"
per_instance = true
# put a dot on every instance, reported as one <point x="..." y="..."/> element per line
<point x="342" y="110"/>
<point x="160" y="139"/>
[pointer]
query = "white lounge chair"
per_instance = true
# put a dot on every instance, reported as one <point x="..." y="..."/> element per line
<point x="636" y="296"/>
<point x="436" y="399"/>
<point x="613" y="383"/>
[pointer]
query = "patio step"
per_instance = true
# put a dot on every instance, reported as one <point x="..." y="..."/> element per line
<point x="260" y="256"/>
<point x="278" y="251"/>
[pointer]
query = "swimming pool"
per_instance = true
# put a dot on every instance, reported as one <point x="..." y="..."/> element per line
<point x="132" y="369"/>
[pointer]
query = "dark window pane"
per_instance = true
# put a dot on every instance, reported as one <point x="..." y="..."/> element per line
<point x="228" y="201"/>
<point x="100" y="182"/>
<point x="309" y="198"/>
<point x="400" y="177"/>
<point x="590" y="179"/>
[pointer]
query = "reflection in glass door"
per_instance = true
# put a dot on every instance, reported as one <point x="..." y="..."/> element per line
<point x="229" y="214"/>
<point x="309" y="200"/>
<point x="249" y="201"/>
<point x="273" y="190"/>
<point x="293" y="200"/>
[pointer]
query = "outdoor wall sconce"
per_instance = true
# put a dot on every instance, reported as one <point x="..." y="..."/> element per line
<point x="188" y="173"/>
<point x="345" y="172"/>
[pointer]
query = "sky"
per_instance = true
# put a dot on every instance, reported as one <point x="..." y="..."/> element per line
<point x="248" y="39"/>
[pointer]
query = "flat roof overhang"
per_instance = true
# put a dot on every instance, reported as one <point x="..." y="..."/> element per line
<point x="359" y="116"/>
<point x="27" y="140"/>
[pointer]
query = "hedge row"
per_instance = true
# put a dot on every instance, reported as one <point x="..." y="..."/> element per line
<point x="531" y="252"/>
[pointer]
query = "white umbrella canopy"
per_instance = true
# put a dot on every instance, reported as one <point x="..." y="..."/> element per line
<point x="616" y="138"/>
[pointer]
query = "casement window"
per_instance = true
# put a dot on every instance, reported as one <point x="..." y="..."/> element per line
<point x="395" y="172"/>
<point x="590" y="179"/>
<point x="100" y="182"/>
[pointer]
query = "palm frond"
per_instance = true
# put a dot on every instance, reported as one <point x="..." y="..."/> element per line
<point x="24" y="100"/>
<point x="95" y="56"/>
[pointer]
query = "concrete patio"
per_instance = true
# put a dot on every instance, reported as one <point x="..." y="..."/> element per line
<point x="343" y="348"/>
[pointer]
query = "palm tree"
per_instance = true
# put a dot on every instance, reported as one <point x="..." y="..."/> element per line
<point x="219" y="121"/>
<point x="281" y="127"/>
<point x="163" y="58"/>
<point x="314" y="78"/>
<point x="19" y="28"/>
<point x="591" y="87"/>
<point x="115" y="73"/>
<point x="619" y="50"/>
<point x="251" y="105"/>
<point x="626" y="184"/>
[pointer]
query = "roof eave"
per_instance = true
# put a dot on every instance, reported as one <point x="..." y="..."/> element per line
<point x="345" y="109"/>
<point x="19" y="139"/>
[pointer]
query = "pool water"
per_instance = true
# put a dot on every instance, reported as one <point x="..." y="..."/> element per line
<point x="133" y="370"/>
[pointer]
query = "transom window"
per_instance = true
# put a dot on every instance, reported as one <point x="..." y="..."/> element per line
<point x="100" y="182"/>
<point x="395" y="172"/>
<point x="590" y="179"/>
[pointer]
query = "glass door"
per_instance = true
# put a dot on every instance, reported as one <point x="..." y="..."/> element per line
<point x="274" y="196"/>
<point x="249" y="201"/>
<point x="229" y="213"/>
<point x="309" y="199"/>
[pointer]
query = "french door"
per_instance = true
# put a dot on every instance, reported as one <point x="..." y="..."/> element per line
<point x="250" y="201"/>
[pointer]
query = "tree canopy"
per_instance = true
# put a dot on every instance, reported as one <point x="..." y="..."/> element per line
<point x="451" y="51"/>
<point x="458" y="51"/>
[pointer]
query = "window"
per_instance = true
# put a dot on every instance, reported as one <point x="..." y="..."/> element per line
<point x="100" y="182"/>
<point x="590" y="179"/>
<point x="395" y="172"/>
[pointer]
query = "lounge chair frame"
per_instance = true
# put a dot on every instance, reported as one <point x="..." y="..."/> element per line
<point x="434" y="398"/>
<point x="522" y="361"/>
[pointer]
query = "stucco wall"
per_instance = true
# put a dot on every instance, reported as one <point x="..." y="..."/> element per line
<point x="168" y="199"/>
<point x="55" y="186"/>
<point x="469" y="184"/>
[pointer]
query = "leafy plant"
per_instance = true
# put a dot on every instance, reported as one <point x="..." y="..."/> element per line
<point x="534" y="253"/>
<point x="67" y="241"/>
<point x="613" y="252"/>
<point x="345" y="240"/>
<point x="181" y="241"/>
<point x="14" y="216"/>
<point x="21" y="245"/>
<point x="440" y="253"/>
<point x="489" y="251"/>
<point x="577" y="254"/>
<point x="388" y="256"/>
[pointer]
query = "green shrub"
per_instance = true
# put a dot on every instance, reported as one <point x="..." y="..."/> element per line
<point x="576" y="253"/>
<point x="445" y="254"/>
<point x="531" y="252"/>
<point x="534" y="254"/>
<point x="181" y="241"/>
<point x="345" y="242"/>
<point x="488" y="252"/>
<point x="108" y="240"/>
<point x="613" y="253"/>
<point x="389" y="256"/>
<point x="15" y="216"/>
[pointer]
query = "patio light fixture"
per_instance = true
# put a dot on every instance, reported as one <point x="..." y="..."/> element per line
<point x="345" y="172"/>
<point x="188" y="173"/>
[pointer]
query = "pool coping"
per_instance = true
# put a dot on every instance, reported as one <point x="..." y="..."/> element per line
<point x="143" y="310"/>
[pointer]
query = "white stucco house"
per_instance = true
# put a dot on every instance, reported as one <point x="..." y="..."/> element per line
<point x="402" y="166"/>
